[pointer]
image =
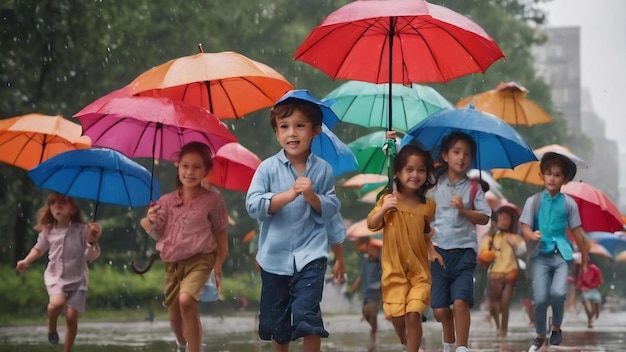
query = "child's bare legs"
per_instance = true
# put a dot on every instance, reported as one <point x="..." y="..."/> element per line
<point x="399" y="325"/>
<point x="589" y="311"/>
<point x="413" y="331"/>
<point x="71" y="319"/>
<point x="446" y="318"/>
<point x="55" y="306"/>
<point x="311" y="343"/>
<point x="192" y="327"/>
<point x="370" y="314"/>
<point x="280" y="348"/>
<point x="176" y="322"/>
<point x="505" y="302"/>
<point x="461" y="322"/>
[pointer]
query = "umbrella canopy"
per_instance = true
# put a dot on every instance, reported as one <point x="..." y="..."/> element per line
<point x="508" y="101"/>
<point x="329" y="118"/>
<point x="370" y="154"/>
<point x="227" y="84"/>
<point x="367" y="104"/>
<point x="102" y="175"/>
<point x="233" y="167"/>
<point x="30" y="139"/>
<point x="327" y="146"/>
<point x="530" y="172"/>
<point x="360" y="180"/>
<point x="498" y="144"/>
<point x="621" y="257"/>
<point x="597" y="211"/>
<point x="615" y="243"/>
<point x="485" y="176"/>
<point x="151" y="127"/>
<point x="432" y="44"/>
<point x="359" y="229"/>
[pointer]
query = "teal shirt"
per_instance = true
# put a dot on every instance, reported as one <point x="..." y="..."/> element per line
<point x="554" y="216"/>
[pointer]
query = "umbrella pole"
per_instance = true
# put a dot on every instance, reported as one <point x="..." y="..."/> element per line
<point x="391" y="150"/>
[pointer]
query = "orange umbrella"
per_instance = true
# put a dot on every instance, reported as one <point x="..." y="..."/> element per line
<point x="30" y="139"/>
<point x="508" y="101"/>
<point x="530" y="172"/>
<point x="227" y="84"/>
<point x="248" y="236"/>
<point x="364" y="179"/>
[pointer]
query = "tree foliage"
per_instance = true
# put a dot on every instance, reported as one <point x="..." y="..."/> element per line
<point x="58" y="56"/>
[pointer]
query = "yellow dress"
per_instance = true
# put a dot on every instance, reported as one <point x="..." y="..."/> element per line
<point x="406" y="279"/>
<point x="505" y="262"/>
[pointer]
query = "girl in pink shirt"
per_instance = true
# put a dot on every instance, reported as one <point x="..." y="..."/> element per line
<point x="190" y="226"/>
<point x="70" y="243"/>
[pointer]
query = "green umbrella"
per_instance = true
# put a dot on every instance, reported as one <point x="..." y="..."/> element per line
<point x="367" y="104"/>
<point x="372" y="156"/>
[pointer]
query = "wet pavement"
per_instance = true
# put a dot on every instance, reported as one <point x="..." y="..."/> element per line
<point x="348" y="333"/>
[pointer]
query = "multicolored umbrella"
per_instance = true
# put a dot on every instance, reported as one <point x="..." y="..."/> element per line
<point x="28" y="140"/>
<point x="367" y="104"/>
<point x="228" y="84"/>
<point x="508" y="101"/>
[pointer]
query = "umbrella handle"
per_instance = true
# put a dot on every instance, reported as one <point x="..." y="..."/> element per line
<point x="144" y="270"/>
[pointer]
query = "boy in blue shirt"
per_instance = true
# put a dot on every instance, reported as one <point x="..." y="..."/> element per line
<point x="292" y="196"/>
<point x="545" y="219"/>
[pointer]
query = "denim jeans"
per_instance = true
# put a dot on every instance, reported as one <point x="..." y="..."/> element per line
<point x="549" y="273"/>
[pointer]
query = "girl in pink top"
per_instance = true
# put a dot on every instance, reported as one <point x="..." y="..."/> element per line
<point x="70" y="244"/>
<point x="190" y="226"/>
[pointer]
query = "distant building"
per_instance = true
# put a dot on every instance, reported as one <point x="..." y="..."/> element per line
<point x="558" y="61"/>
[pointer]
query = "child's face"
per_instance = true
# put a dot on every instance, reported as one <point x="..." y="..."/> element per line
<point x="413" y="175"/>
<point x="553" y="178"/>
<point x="61" y="209"/>
<point x="191" y="170"/>
<point x="294" y="134"/>
<point x="504" y="221"/>
<point x="458" y="157"/>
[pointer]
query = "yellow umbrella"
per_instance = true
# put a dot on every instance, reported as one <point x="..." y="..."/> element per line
<point x="28" y="140"/>
<point x="530" y="172"/>
<point x="508" y="101"/>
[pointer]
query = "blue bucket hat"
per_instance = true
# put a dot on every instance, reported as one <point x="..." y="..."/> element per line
<point x="329" y="118"/>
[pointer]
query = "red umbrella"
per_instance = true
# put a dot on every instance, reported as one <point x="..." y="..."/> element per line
<point x="151" y="127"/>
<point x="597" y="211"/>
<point x="398" y="41"/>
<point x="233" y="167"/>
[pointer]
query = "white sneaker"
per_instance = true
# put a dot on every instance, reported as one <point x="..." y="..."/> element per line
<point x="180" y="347"/>
<point x="461" y="349"/>
<point x="449" y="347"/>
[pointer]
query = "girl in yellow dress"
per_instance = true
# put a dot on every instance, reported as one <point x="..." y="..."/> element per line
<point x="404" y="215"/>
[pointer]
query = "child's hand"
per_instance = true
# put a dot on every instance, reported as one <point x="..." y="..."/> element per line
<point x="153" y="213"/>
<point x="304" y="186"/>
<point x="457" y="202"/>
<point x="390" y="135"/>
<point x="390" y="202"/>
<point x="511" y="239"/>
<point x="21" y="266"/>
<point x="535" y="236"/>
<point x="94" y="230"/>
<point x="436" y="257"/>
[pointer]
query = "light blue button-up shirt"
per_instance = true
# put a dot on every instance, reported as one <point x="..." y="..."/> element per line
<point x="554" y="216"/>
<point x="452" y="229"/>
<point x="296" y="234"/>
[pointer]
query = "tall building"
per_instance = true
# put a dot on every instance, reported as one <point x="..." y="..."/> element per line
<point x="558" y="62"/>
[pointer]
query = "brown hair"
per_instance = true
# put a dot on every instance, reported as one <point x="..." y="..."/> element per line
<point x="286" y="109"/>
<point x="45" y="220"/>
<point x="201" y="149"/>
<point x="567" y="166"/>
<point x="403" y="158"/>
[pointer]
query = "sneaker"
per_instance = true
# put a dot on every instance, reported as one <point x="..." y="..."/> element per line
<point x="536" y="345"/>
<point x="449" y="347"/>
<point x="53" y="338"/>
<point x="461" y="349"/>
<point x="556" y="338"/>
<point x="180" y="347"/>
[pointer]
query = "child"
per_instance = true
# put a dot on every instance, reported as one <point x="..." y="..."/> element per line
<point x="506" y="245"/>
<point x="545" y="219"/>
<point x="455" y="238"/>
<point x="588" y="284"/>
<point x="405" y="215"/>
<point x="370" y="275"/>
<point x="70" y="244"/>
<point x="292" y="196"/>
<point x="190" y="226"/>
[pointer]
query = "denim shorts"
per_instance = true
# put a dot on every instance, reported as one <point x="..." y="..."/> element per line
<point x="456" y="281"/>
<point x="290" y="305"/>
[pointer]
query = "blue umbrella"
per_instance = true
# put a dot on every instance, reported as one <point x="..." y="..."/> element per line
<point x="102" y="175"/>
<point x="498" y="144"/>
<point x="330" y="148"/>
<point x="613" y="242"/>
<point x="328" y="116"/>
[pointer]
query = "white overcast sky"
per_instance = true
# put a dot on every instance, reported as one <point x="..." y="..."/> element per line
<point x="603" y="55"/>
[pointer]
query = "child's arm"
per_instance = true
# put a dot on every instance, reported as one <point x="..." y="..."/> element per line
<point x="472" y="215"/>
<point x="529" y="234"/>
<point x="581" y="242"/>
<point x="92" y="250"/>
<point x="375" y="220"/>
<point x="339" y="269"/>
<point x="149" y="222"/>
<point x="221" y="238"/>
<point x="25" y="263"/>
<point x="355" y="284"/>
<point x="433" y="255"/>
<point x="279" y="200"/>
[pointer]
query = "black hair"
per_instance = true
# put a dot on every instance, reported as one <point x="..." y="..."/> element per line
<point x="446" y="143"/>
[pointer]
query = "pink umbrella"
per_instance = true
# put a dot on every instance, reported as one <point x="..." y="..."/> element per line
<point x="151" y="127"/>
<point x="233" y="167"/>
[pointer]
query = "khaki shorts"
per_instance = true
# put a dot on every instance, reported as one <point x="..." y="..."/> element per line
<point x="187" y="276"/>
